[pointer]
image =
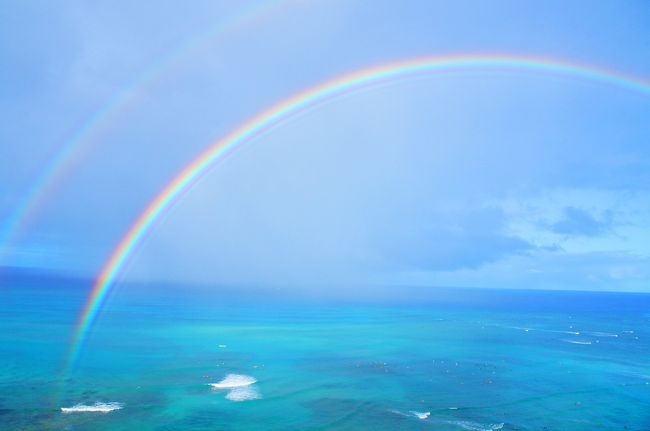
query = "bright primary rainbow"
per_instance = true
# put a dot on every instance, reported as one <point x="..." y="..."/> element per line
<point x="71" y="150"/>
<point x="292" y="106"/>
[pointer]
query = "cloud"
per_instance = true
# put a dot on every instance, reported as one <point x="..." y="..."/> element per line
<point x="576" y="221"/>
<point x="457" y="240"/>
<point x="541" y="269"/>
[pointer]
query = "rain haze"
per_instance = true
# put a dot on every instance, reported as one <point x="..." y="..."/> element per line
<point x="476" y="177"/>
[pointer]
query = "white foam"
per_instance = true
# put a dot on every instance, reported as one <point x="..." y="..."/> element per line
<point x="234" y="381"/>
<point x="603" y="334"/>
<point x="421" y="415"/>
<point x="571" y="332"/>
<point x="412" y="413"/>
<point x="577" y="341"/>
<point x="473" y="426"/>
<point x="560" y="332"/>
<point x="246" y="393"/>
<point x="96" y="408"/>
<point x="527" y="329"/>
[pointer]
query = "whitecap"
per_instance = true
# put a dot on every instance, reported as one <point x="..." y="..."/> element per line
<point x="234" y="381"/>
<point x="421" y="415"/>
<point x="603" y="334"/>
<point x="577" y="341"/>
<point x="473" y="426"/>
<point x="246" y="393"/>
<point x="412" y="413"/>
<point x="96" y="408"/>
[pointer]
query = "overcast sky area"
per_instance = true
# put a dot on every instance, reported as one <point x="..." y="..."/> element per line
<point x="499" y="179"/>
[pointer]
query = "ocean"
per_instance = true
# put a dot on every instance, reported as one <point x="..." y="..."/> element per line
<point x="176" y="358"/>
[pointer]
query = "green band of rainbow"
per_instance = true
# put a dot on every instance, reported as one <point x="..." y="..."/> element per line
<point x="307" y="99"/>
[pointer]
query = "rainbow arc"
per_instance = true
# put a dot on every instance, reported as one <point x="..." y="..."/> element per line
<point x="294" y="105"/>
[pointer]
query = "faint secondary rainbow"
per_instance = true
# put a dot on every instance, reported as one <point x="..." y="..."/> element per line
<point x="314" y="96"/>
<point x="72" y="150"/>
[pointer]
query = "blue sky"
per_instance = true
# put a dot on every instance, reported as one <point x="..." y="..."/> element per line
<point x="484" y="179"/>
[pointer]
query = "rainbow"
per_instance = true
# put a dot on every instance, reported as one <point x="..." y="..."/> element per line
<point x="289" y="108"/>
<point x="70" y="151"/>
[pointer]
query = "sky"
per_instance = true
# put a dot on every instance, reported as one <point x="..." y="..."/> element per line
<point x="497" y="179"/>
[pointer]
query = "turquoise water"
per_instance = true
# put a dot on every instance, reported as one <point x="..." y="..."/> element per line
<point x="476" y="360"/>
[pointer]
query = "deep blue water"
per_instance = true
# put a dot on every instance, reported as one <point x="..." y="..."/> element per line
<point x="474" y="359"/>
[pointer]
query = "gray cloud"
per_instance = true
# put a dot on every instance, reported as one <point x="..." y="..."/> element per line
<point x="463" y="240"/>
<point x="576" y="221"/>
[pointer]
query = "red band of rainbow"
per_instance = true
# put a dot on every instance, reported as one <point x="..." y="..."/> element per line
<point x="310" y="98"/>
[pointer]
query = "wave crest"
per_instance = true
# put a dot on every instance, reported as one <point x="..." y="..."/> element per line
<point x="577" y="341"/>
<point x="96" y="408"/>
<point x="234" y="381"/>
<point x="421" y="415"/>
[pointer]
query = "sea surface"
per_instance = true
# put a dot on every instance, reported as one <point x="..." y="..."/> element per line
<point x="176" y="358"/>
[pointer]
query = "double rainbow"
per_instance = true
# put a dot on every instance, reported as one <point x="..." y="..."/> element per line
<point x="73" y="149"/>
<point x="298" y="103"/>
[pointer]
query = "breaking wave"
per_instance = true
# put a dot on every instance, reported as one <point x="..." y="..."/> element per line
<point x="241" y="387"/>
<point x="412" y="413"/>
<point x="234" y="381"/>
<point x="421" y="415"/>
<point x="246" y="393"/>
<point x="97" y="408"/>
